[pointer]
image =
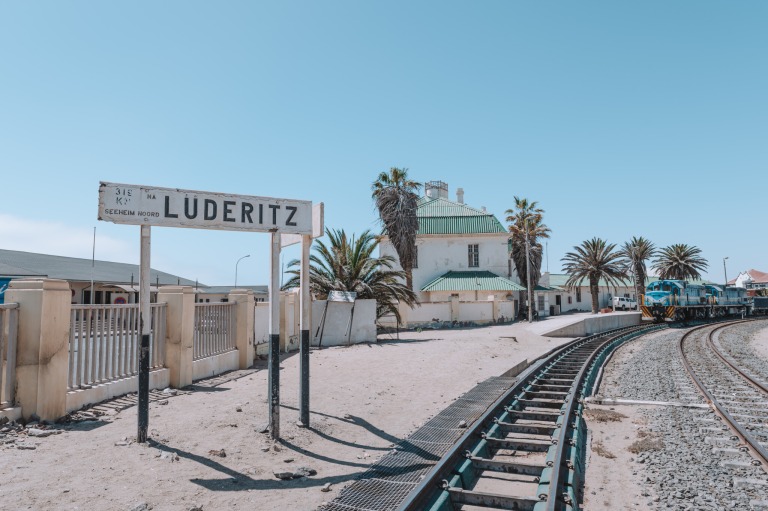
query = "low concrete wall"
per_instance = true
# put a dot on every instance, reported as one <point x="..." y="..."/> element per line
<point x="336" y="331"/>
<point x="596" y="324"/>
<point x="76" y="399"/>
<point x="479" y="312"/>
<point x="217" y="364"/>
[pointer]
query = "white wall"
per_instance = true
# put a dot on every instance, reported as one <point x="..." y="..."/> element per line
<point x="426" y="312"/>
<point x="480" y="312"/>
<point x="477" y="312"/>
<point x="335" y="332"/>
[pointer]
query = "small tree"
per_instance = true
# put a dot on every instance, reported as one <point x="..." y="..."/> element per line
<point x="526" y="227"/>
<point x="594" y="260"/>
<point x="680" y="262"/>
<point x="396" y="201"/>
<point x="348" y="264"/>
<point x="634" y="254"/>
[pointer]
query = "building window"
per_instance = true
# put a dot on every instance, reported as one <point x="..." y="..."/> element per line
<point x="578" y="295"/>
<point x="570" y="300"/>
<point x="541" y="302"/>
<point x="474" y="256"/>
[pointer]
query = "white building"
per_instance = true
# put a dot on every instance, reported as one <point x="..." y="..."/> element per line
<point x="463" y="271"/>
<point x="751" y="279"/>
<point x="560" y="299"/>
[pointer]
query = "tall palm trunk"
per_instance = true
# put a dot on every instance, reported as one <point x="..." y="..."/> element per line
<point x="594" y="289"/>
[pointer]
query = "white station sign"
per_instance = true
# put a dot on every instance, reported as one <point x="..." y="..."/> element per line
<point x="171" y="207"/>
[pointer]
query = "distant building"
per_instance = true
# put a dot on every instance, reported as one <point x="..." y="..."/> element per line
<point x="112" y="282"/>
<point x="751" y="280"/>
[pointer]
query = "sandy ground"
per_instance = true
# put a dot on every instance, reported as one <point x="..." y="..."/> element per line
<point x="760" y="343"/>
<point x="611" y="481"/>
<point x="364" y="399"/>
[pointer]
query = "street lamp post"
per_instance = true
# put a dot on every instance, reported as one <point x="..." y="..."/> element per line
<point x="725" y="272"/>
<point x="238" y="262"/>
<point x="528" y="273"/>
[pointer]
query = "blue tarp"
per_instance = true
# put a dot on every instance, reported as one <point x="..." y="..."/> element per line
<point x="3" y="287"/>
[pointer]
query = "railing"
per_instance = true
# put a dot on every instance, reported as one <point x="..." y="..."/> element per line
<point x="9" y="321"/>
<point x="214" y="329"/>
<point x="104" y="342"/>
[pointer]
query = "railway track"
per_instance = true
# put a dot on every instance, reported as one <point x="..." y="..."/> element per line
<point x="737" y="397"/>
<point x="526" y="452"/>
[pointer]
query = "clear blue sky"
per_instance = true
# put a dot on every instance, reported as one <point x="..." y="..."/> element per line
<point x="620" y="118"/>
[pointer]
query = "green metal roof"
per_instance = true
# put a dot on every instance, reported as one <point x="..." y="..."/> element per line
<point x="472" y="281"/>
<point x="442" y="216"/>
<point x="558" y="280"/>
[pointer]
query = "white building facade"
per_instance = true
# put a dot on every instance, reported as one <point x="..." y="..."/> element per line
<point x="462" y="262"/>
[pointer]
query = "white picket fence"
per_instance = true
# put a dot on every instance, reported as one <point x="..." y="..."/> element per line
<point x="104" y="342"/>
<point x="214" y="329"/>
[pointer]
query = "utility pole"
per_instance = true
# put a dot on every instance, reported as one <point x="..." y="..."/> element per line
<point x="528" y="272"/>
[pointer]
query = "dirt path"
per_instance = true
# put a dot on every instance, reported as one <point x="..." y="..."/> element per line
<point x="206" y="451"/>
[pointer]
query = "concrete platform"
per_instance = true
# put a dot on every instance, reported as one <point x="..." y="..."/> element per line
<point x="582" y="323"/>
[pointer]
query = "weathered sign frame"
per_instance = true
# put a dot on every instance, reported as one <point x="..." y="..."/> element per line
<point x="172" y="207"/>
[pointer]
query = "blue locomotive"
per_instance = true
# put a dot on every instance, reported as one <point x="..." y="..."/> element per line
<point x="679" y="300"/>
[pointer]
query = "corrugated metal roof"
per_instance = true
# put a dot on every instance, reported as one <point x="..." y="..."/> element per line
<point x="259" y="290"/>
<point x="8" y="270"/>
<point x="472" y="281"/>
<point x="442" y="216"/>
<point x="558" y="280"/>
<point x="76" y="269"/>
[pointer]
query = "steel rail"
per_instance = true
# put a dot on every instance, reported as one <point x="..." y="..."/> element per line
<point x="751" y="443"/>
<point x="432" y="482"/>
<point x="730" y="362"/>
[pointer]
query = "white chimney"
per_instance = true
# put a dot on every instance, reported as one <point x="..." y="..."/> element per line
<point x="460" y="195"/>
<point x="482" y="208"/>
<point x="436" y="189"/>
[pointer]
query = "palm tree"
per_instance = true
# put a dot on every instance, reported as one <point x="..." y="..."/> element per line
<point x="680" y="262"/>
<point x="594" y="260"/>
<point x="348" y="264"/>
<point x="525" y="221"/>
<point x="396" y="200"/>
<point x="635" y="253"/>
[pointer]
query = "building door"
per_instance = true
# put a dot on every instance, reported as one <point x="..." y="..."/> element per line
<point x="557" y="300"/>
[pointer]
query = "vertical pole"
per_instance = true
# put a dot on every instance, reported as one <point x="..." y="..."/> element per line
<point x="274" y="339"/>
<point x="145" y="322"/>
<point x="93" y="263"/>
<point x="306" y="305"/>
<point x="528" y="274"/>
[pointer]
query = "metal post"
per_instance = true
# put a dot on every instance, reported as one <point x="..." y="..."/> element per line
<point x="306" y="304"/>
<point x="274" y="339"/>
<point x="725" y="272"/>
<point x="145" y="322"/>
<point x="528" y="274"/>
<point x="93" y="263"/>
<point x="238" y="262"/>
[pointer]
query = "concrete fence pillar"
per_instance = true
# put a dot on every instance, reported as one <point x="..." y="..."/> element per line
<point x="179" y="332"/>
<point x="42" y="356"/>
<point x="244" y="316"/>
<point x="455" y="313"/>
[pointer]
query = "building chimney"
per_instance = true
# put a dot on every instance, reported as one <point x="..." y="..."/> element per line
<point x="436" y="189"/>
<point x="482" y="208"/>
<point x="460" y="195"/>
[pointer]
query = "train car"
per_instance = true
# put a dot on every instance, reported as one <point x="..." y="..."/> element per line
<point x="679" y="300"/>
<point x="760" y="305"/>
